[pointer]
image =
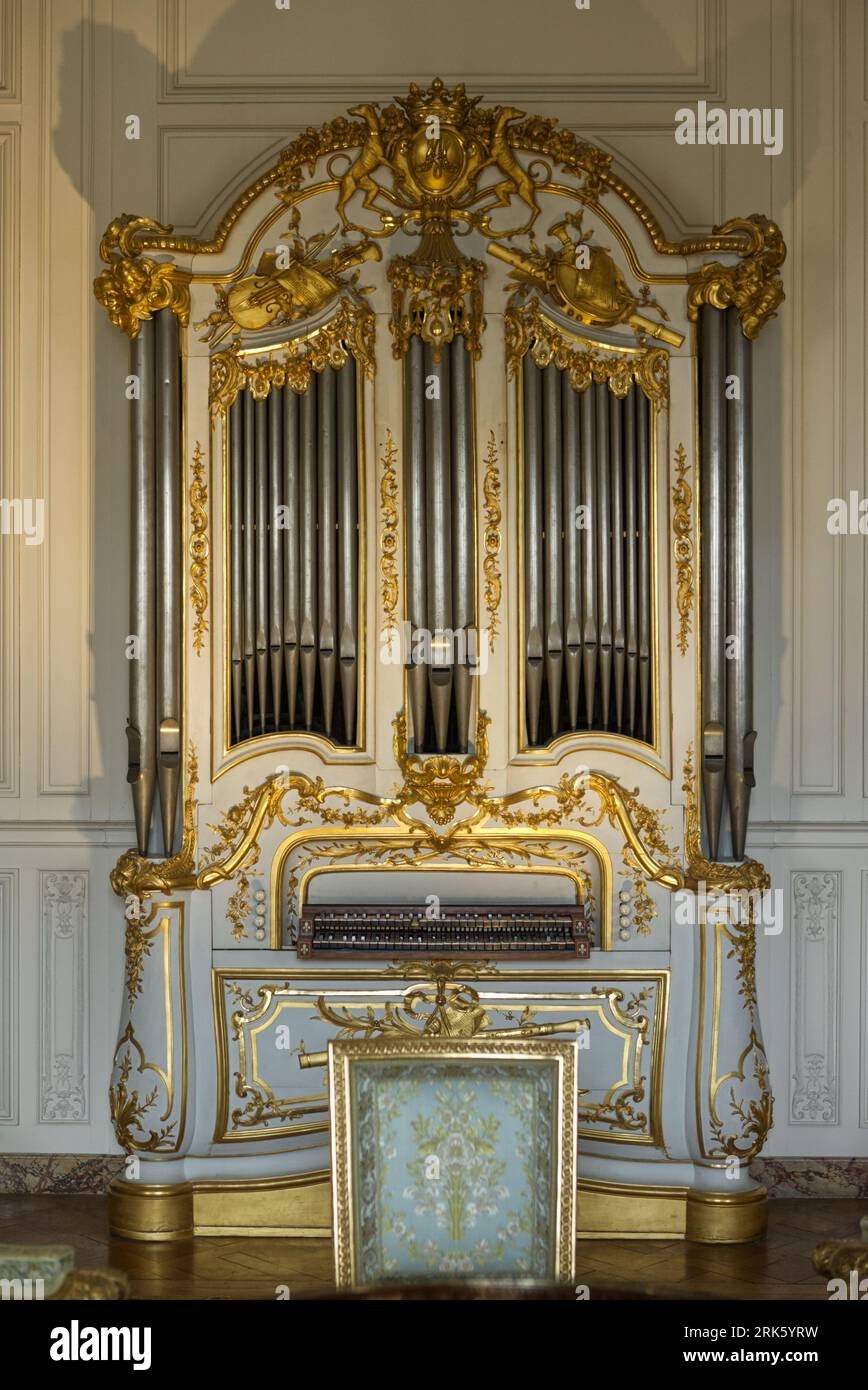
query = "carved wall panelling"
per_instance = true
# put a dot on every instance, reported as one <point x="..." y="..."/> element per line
<point x="815" y="994"/>
<point x="64" y="1095"/>
<point x="9" y="997"/>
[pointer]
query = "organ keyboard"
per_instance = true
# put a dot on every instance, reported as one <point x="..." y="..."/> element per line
<point x="374" y="931"/>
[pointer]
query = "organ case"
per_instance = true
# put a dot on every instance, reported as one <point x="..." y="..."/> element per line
<point x="381" y="668"/>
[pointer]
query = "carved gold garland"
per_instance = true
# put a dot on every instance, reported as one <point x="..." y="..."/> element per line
<point x="199" y="548"/>
<point x="491" y="539"/>
<point x="350" y="331"/>
<point x="389" y="540"/>
<point x="528" y="330"/>
<point x="682" y="547"/>
<point x="437" y="302"/>
<point x="753" y="287"/>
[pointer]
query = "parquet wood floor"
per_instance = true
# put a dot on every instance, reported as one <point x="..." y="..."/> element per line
<point x="778" y="1267"/>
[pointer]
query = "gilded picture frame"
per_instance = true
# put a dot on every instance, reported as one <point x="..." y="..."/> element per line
<point x="453" y="1159"/>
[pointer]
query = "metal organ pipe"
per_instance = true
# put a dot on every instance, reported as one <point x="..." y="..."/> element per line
<point x="604" y="543"/>
<point x="348" y="540"/>
<point x="740" y="734"/>
<point x="417" y="535"/>
<point x="616" y="485"/>
<point x="533" y="557"/>
<point x="327" y="544"/>
<point x="439" y="492"/>
<point x="275" y="549"/>
<point x="713" y="562"/>
<point x="589" y="552"/>
<point x="290" y="537"/>
<point x="141" y="725"/>
<point x="631" y="539"/>
<point x="553" y="524"/>
<point x="572" y="548"/>
<point x="643" y="517"/>
<point x="169" y="610"/>
<point x="463" y="551"/>
<point x="308" y="551"/>
<point x="249" y="560"/>
<point x="260" y="409"/>
<point x="236" y="557"/>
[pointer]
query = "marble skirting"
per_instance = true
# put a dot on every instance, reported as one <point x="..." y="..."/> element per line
<point x="783" y="1177"/>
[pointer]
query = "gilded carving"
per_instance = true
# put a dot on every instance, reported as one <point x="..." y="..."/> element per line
<point x="582" y="281"/>
<point x="282" y="291"/>
<point x="199" y="548"/>
<point x="527" y="329"/>
<point x="389" y="540"/>
<point x="749" y="875"/>
<point x="349" y="332"/>
<point x="135" y="876"/>
<point x="491" y="538"/>
<point x="129" y="1108"/>
<point x="437" y="302"/>
<point x="682" y="547"/>
<point x="135" y="287"/>
<point x="753" y="286"/>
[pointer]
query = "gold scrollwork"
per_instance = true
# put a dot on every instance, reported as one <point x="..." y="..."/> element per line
<point x="135" y="875"/>
<point x="749" y="875"/>
<point x="491" y="538"/>
<point x="389" y="540"/>
<point x="349" y="332"/>
<point x="199" y="548"/>
<point x="134" y="286"/>
<point x="753" y="286"/>
<point x="128" y="1108"/>
<point x="682" y="547"/>
<point x="527" y="329"/>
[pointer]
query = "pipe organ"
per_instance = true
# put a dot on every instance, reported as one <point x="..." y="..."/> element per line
<point x="440" y="661"/>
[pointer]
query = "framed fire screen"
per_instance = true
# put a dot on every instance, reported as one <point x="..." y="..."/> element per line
<point x="453" y="1160"/>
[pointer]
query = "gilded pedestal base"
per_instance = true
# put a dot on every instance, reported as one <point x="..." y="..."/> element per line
<point x="301" y="1206"/>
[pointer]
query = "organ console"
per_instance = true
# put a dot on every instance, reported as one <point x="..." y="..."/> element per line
<point x="514" y="931"/>
<point x="510" y="433"/>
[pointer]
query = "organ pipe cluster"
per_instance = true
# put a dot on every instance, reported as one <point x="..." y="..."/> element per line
<point x="294" y="558"/>
<point x="154" y="724"/>
<point x="587" y="557"/>
<point x="441" y="552"/>
<point x="728" y="736"/>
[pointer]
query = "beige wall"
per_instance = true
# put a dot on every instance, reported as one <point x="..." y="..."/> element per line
<point x="220" y="86"/>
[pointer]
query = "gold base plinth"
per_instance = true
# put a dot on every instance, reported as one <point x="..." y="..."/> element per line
<point x="301" y="1206"/>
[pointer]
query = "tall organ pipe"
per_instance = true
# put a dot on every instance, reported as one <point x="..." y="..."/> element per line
<point x="439" y="492"/>
<point x="261" y="533"/>
<point x="236" y="557"/>
<point x="740" y="734"/>
<point x="533" y="525"/>
<point x="348" y="521"/>
<point x="712" y="328"/>
<point x="631" y="606"/>
<point x="308" y="550"/>
<point x="463" y="550"/>
<point x="572" y="548"/>
<point x="604" y="545"/>
<point x="590" y="630"/>
<point x="553" y="526"/>
<point x="619" y="630"/>
<point x="275" y="547"/>
<point x="169" y="608"/>
<point x="328" y="575"/>
<point x="290" y="537"/>
<point x="249" y="560"/>
<point x="417" y="535"/>
<point x="141" y="727"/>
<point x="643" y="508"/>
